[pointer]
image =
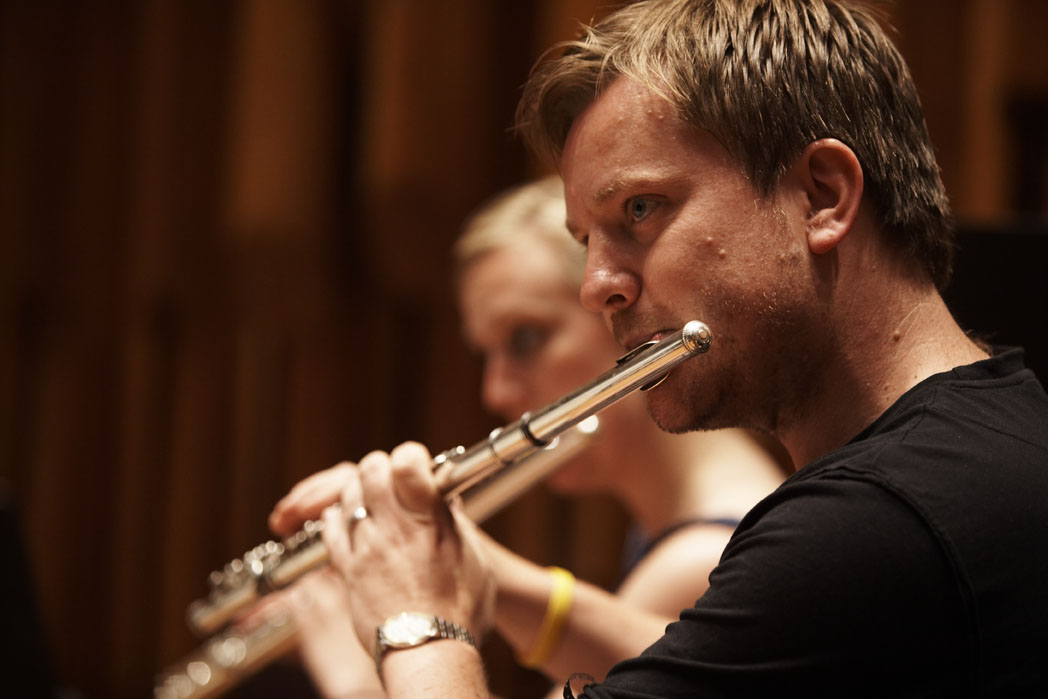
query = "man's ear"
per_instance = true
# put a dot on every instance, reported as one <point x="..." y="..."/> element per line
<point x="831" y="177"/>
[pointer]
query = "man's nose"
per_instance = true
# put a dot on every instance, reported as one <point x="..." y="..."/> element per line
<point x="609" y="284"/>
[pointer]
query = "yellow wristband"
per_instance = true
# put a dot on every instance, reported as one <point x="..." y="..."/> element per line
<point x="557" y="609"/>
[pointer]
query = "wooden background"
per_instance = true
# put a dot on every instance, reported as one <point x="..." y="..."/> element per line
<point x="224" y="235"/>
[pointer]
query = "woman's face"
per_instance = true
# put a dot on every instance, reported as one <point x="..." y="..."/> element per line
<point x="523" y="315"/>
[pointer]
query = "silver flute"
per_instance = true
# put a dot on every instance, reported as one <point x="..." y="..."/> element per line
<point x="486" y="476"/>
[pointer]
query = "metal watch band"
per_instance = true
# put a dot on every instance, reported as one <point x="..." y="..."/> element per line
<point x="444" y="630"/>
<point x="447" y="629"/>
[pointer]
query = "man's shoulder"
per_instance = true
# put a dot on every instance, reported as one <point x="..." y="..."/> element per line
<point x="976" y="417"/>
<point x="997" y="394"/>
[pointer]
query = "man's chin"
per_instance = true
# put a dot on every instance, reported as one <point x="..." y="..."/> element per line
<point x="677" y="427"/>
<point x="673" y="415"/>
<point x="668" y="416"/>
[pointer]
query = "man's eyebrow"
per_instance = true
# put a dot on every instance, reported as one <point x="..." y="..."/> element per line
<point x="610" y="189"/>
<point x="616" y="185"/>
<point x="631" y="181"/>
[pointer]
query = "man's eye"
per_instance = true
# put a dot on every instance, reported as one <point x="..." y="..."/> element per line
<point x="525" y="341"/>
<point x="639" y="208"/>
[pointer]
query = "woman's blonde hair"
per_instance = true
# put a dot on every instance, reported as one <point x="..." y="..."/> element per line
<point x="535" y="209"/>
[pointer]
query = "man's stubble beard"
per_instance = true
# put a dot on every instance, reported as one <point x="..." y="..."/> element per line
<point x="690" y="405"/>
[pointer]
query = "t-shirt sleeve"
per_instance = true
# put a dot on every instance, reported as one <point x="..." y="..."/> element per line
<point x="810" y="598"/>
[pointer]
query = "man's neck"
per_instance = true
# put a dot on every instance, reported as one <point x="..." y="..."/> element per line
<point x="718" y="474"/>
<point x="896" y="346"/>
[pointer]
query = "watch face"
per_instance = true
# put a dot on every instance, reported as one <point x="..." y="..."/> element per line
<point x="407" y="629"/>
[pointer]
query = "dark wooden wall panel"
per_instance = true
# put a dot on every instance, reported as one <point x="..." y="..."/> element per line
<point x="224" y="264"/>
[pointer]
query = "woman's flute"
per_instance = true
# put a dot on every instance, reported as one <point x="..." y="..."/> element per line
<point x="484" y="468"/>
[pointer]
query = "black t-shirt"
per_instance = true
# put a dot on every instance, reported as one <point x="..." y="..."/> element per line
<point x="913" y="562"/>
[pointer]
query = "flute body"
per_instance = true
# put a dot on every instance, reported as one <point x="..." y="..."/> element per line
<point x="489" y="474"/>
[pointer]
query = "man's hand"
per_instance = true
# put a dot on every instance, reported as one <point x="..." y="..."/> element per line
<point x="309" y="497"/>
<point x="406" y="554"/>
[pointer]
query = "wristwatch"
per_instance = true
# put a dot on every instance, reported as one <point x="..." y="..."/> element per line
<point x="410" y="629"/>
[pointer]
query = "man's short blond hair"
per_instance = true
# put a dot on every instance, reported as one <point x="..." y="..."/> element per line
<point x="765" y="78"/>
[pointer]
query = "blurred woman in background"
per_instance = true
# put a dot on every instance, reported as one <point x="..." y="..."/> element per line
<point x="519" y="277"/>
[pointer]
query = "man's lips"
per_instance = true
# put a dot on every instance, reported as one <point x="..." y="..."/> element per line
<point x="635" y="341"/>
